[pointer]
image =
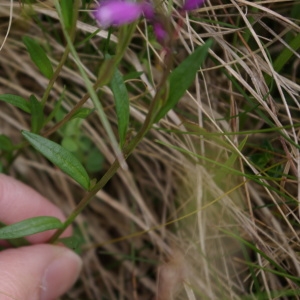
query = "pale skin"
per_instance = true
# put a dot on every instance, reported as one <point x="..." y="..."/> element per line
<point x="39" y="271"/>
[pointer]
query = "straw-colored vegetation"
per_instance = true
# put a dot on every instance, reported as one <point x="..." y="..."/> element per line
<point x="208" y="207"/>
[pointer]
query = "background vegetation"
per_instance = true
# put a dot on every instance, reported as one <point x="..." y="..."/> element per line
<point x="207" y="205"/>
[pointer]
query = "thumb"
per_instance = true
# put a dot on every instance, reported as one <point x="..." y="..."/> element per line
<point x="37" y="272"/>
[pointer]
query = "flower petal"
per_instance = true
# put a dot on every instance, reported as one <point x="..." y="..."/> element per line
<point x="116" y="13"/>
<point x="160" y="32"/>
<point x="148" y="10"/>
<point x="192" y="4"/>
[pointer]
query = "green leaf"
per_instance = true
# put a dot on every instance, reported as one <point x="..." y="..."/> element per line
<point x="71" y="242"/>
<point x="29" y="226"/>
<point x="59" y="156"/>
<point x="18" y="242"/>
<point x="67" y="12"/>
<point x="182" y="77"/>
<point x="74" y="242"/>
<point x="119" y="90"/>
<point x="70" y="144"/>
<point x="5" y="143"/>
<point x="38" y="56"/>
<point x="295" y="10"/>
<point x="37" y="114"/>
<point x="286" y="54"/>
<point x="16" y="101"/>
<point x="132" y="75"/>
<point x="95" y="160"/>
<point x="82" y="113"/>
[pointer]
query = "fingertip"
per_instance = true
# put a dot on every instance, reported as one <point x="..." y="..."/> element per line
<point x="60" y="275"/>
<point x="37" y="272"/>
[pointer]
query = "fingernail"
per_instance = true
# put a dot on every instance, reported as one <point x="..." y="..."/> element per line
<point x="61" y="274"/>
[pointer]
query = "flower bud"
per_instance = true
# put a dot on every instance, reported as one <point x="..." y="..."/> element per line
<point x="148" y="10"/>
<point x="192" y="4"/>
<point x="117" y="13"/>
<point x="160" y="32"/>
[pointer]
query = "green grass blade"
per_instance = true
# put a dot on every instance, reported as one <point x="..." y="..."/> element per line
<point x="280" y="270"/>
<point x="59" y="156"/>
<point x="286" y="53"/>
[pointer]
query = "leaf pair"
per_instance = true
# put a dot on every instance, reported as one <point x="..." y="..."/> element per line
<point x="179" y="81"/>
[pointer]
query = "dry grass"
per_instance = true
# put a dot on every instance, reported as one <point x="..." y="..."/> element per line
<point x="179" y="219"/>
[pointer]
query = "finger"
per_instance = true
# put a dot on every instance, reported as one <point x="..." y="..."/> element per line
<point x="37" y="272"/>
<point x="19" y="202"/>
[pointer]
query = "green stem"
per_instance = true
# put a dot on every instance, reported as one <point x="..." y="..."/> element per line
<point x="102" y="182"/>
<point x="156" y="104"/>
<point x="154" y="108"/>
<point x="64" y="57"/>
<point x="105" y="74"/>
<point x="99" y="185"/>
<point x="55" y="75"/>
<point x="100" y="82"/>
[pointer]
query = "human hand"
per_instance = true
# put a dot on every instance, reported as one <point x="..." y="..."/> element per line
<point x="39" y="271"/>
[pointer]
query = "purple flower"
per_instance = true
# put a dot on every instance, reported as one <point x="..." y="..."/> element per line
<point x="117" y="12"/>
<point x="159" y="32"/>
<point x="192" y="4"/>
<point x="148" y="10"/>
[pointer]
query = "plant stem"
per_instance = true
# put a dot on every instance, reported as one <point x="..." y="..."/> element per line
<point x="156" y="104"/>
<point x="64" y="57"/>
<point x="154" y="108"/>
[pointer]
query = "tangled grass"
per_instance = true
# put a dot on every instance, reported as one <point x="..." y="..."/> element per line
<point x="208" y="207"/>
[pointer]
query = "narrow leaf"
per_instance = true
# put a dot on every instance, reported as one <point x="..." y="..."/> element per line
<point x="132" y="75"/>
<point x="286" y="53"/>
<point x="29" y="226"/>
<point x="37" y="114"/>
<point x="16" y="101"/>
<point x="67" y="12"/>
<point x="122" y="104"/>
<point x="38" y="56"/>
<point x="82" y="113"/>
<point x="182" y="77"/>
<point x="72" y="242"/>
<point x="59" y="156"/>
<point x="18" y="242"/>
